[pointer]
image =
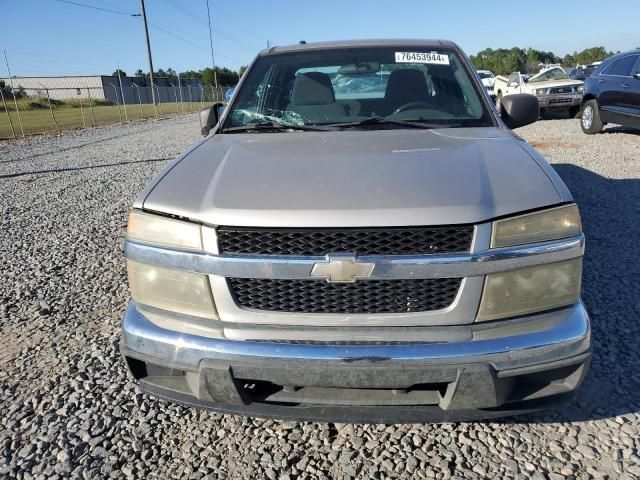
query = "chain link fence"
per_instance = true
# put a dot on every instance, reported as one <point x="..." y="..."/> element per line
<point x="30" y="111"/>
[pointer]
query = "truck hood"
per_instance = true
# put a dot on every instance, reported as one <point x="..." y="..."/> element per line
<point x="353" y="178"/>
<point x="554" y="83"/>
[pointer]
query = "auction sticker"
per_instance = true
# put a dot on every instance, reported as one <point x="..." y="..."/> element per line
<point x="422" y="57"/>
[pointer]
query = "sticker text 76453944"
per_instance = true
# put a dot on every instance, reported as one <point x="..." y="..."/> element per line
<point x="422" y="57"/>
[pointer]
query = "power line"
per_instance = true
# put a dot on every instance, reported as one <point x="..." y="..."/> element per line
<point x="157" y="27"/>
<point x="119" y="12"/>
<point x="202" y="21"/>
<point x="219" y="30"/>
<point x="110" y="5"/>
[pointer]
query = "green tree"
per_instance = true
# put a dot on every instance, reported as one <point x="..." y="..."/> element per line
<point x="242" y="69"/>
<point x="569" y="60"/>
<point x="191" y="74"/>
<point x="225" y="77"/>
<point x="590" y="55"/>
<point x="139" y="73"/>
<point x="504" y="61"/>
<point x="119" y="72"/>
<point x="500" y="61"/>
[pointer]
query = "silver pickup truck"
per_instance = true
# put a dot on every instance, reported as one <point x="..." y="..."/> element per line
<point x="360" y="237"/>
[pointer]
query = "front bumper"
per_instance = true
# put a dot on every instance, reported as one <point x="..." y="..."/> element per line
<point x="559" y="101"/>
<point x="504" y="368"/>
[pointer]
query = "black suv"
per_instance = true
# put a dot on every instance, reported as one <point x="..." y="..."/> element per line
<point x="612" y="93"/>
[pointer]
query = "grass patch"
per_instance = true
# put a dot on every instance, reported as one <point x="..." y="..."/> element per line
<point x="72" y="115"/>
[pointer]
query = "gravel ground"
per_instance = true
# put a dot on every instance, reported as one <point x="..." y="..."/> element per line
<point x="70" y="410"/>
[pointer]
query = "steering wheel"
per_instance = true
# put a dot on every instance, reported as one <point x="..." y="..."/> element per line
<point x="410" y="106"/>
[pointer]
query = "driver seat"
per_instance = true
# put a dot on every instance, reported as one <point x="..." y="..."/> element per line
<point x="405" y="86"/>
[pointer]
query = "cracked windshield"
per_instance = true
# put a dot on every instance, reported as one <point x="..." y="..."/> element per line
<point x="357" y="87"/>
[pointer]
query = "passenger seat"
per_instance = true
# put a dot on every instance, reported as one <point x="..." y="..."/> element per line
<point x="314" y="100"/>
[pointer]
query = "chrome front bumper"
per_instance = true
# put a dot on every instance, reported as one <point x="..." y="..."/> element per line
<point x="409" y="367"/>
<point x="505" y="367"/>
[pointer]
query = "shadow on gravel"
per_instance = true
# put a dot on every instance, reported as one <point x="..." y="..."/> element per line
<point x="620" y="129"/>
<point x="72" y="169"/>
<point x="610" y="210"/>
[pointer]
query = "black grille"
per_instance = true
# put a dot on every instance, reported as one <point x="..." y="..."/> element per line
<point x="561" y="90"/>
<point x="371" y="296"/>
<point x="370" y="241"/>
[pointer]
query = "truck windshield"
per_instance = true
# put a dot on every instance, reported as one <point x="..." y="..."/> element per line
<point x="350" y="87"/>
<point x="553" y="74"/>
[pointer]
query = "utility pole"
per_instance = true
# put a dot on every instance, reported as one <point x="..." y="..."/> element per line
<point x="213" y="62"/>
<point x="146" y="33"/>
<point x="124" y="104"/>
<point x="13" y="91"/>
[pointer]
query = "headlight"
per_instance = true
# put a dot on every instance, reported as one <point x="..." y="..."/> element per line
<point x="542" y="91"/>
<point x="174" y="290"/>
<point x="552" y="224"/>
<point x="532" y="289"/>
<point x="149" y="228"/>
<point x="580" y="89"/>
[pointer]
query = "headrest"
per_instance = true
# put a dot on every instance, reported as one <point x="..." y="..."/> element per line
<point x="313" y="88"/>
<point x="407" y="83"/>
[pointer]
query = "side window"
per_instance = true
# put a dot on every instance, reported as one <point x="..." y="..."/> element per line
<point x="513" y="78"/>
<point x="622" y="66"/>
<point x="636" y="69"/>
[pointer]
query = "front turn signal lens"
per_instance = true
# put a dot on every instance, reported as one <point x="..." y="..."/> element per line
<point x="149" y="228"/>
<point x="531" y="289"/>
<point x="551" y="224"/>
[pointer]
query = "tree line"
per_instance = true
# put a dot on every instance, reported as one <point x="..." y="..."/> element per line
<point x="503" y="61"/>
<point x="225" y="76"/>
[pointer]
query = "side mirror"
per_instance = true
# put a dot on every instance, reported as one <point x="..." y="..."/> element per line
<point x="519" y="110"/>
<point x="636" y="75"/>
<point x="209" y="117"/>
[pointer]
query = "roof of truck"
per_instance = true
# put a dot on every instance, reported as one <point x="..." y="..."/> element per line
<point x="382" y="42"/>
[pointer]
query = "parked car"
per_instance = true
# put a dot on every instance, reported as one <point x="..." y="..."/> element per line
<point x="581" y="73"/>
<point x="228" y="94"/>
<point x="553" y="87"/>
<point x="612" y="93"/>
<point x="396" y="254"/>
<point x="488" y="79"/>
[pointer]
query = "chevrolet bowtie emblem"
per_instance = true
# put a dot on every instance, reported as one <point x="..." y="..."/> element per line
<point x="342" y="268"/>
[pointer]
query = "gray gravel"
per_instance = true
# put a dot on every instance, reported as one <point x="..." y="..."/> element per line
<point x="70" y="410"/>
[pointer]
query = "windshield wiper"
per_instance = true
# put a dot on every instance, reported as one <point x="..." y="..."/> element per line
<point x="274" y="126"/>
<point x="388" y="121"/>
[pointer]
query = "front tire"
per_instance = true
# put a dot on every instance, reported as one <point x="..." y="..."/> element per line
<point x="590" y="121"/>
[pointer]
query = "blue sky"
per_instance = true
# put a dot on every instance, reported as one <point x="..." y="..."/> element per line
<point x="48" y="37"/>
